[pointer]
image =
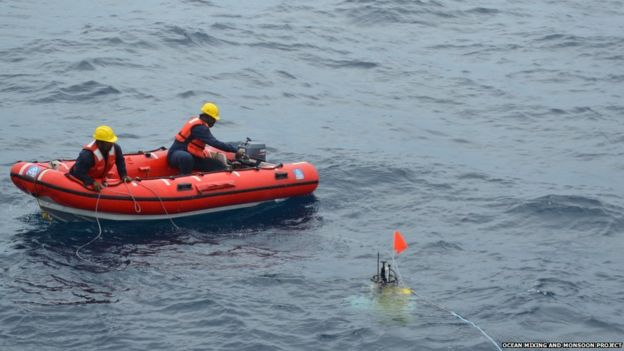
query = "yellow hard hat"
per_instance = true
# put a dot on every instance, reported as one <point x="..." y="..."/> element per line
<point x="105" y="133"/>
<point x="211" y="110"/>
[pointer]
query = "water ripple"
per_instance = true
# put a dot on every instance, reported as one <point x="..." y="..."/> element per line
<point x="81" y="92"/>
<point x="488" y="133"/>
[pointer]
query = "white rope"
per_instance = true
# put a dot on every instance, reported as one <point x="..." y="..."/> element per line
<point x="137" y="206"/>
<point x="37" y="194"/>
<point x="97" y="202"/>
<point x="479" y="328"/>
<point x="431" y="303"/>
<point x="162" y="205"/>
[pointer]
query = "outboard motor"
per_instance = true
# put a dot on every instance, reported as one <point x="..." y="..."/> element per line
<point x="256" y="151"/>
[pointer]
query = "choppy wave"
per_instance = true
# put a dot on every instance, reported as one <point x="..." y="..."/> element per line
<point x="175" y="35"/>
<point x="572" y="212"/>
<point x="562" y="206"/>
<point x="80" y="92"/>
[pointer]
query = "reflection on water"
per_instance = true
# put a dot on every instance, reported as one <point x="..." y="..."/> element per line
<point x="86" y="281"/>
<point x="121" y="238"/>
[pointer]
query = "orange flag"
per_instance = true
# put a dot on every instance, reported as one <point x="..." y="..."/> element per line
<point x="399" y="242"/>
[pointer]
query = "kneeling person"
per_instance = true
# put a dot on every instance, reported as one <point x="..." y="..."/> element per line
<point x="98" y="157"/>
<point x="187" y="152"/>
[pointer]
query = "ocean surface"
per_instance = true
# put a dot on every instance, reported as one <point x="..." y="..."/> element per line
<point x="490" y="133"/>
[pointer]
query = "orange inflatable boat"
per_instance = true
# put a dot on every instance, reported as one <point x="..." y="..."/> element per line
<point x="157" y="192"/>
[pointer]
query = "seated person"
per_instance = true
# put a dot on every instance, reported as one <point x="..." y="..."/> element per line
<point x="98" y="157"/>
<point x="187" y="152"/>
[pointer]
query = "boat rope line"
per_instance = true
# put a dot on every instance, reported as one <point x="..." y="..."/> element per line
<point x="99" y="235"/>
<point x="137" y="205"/>
<point x="442" y="308"/>
<point x="137" y="208"/>
<point x="36" y="181"/>
<point x="163" y="206"/>
<point x="179" y="198"/>
<point x="36" y="194"/>
<point x="479" y="328"/>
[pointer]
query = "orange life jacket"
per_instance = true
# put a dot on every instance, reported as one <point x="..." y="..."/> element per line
<point x="101" y="165"/>
<point x="195" y="147"/>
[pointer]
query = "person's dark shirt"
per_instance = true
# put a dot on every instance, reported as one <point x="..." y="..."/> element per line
<point x="86" y="160"/>
<point x="202" y="133"/>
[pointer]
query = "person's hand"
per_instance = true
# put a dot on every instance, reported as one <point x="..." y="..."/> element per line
<point x="97" y="186"/>
<point x="126" y="179"/>
<point x="240" y="153"/>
